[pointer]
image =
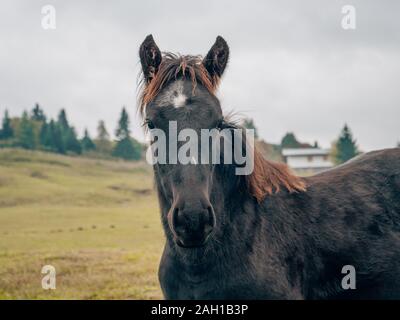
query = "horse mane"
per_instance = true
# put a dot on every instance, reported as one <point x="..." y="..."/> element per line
<point x="173" y="67"/>
<point x="267" y="177"/>
<point x="270" y="177"/>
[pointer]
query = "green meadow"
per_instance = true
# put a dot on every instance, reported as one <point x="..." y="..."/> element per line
<point x="96" y="221"/>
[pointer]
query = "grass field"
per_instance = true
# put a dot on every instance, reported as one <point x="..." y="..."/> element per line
<point x="95" y="221"/>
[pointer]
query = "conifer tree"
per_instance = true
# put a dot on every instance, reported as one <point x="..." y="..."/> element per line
<point x="6" y="131"/>
<point x="38" y="114"/>
<point x="249" y="124"/>
<point x="62" y="120"/>
<point x="123" y="125"/>
<point x="102" y="133"/>
<point x="44" y="136"/>
<point x="103" y="143"/>
<point x="87" y="143"/>
<point x="290" y="141"/>
<point x="68" y="134"/>
<point x="346" y="147"/>
<point x="71" y="141"/>
<point x="53" y="139"/>
<point x="125" y="148"/>
<point x="26" y="138"/>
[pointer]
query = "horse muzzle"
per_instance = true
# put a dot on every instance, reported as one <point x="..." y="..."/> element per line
<point x="192" y="226"/>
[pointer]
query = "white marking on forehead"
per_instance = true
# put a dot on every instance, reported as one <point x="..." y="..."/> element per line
<point x="179" y="100"/>
<point x="173" y="95"/>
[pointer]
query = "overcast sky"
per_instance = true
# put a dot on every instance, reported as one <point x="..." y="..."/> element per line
<point x="292" y="68"/>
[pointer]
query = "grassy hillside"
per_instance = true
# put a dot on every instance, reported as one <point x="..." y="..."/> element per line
<point x="95" y="221"/>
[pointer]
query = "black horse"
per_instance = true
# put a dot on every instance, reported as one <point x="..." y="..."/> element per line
<point x="270" y="234"/>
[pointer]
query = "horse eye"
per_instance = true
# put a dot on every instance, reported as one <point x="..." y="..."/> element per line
<point x="221" y="125"/>
<point x="150" y="124"/>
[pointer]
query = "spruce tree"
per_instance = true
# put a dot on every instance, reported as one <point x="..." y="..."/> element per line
<point x="44" y="136"/>
<point x="68" y="134"/>
<point x="102" y="133"/>
<point x="103" y="143"/>
<point x="137" y="149"/>
<point x="38" y="114"/>
<point x="346" y="147"/>
<point x="87" y="143"/>
<point x="123" y="125"/>
<point x="125" y="147"/>
<point x="290" y="141"/>
<point x="54" y="138"/>
<point x="63" y="121"/>
<point x="26" y="138"/>
<point x="71" y="141"/>
<point x="249" y="124"/>
<point x="6" y="131"/>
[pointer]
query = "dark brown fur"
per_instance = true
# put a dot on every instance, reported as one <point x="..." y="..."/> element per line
<point x="269" y="235"/>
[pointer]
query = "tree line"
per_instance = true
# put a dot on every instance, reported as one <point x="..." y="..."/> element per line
<point x="343" y="148"/>
<point x="34" y="131"/>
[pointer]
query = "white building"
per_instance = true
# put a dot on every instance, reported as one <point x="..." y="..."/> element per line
<point x="307" y="159"/>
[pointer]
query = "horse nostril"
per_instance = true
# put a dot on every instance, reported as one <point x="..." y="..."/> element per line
<point x="209" y="226"/>
<point x="192" y="227"/>
<point x="211" y="216"/>
<point x="176" y="221"/>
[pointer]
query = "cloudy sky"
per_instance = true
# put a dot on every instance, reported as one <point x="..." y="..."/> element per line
<point x="292" y="68"/>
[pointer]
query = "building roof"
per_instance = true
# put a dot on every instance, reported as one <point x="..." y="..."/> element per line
<point x="293" y="152"/>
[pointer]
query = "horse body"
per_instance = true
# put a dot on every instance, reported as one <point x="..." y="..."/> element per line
<point x="293" y="246"/>
<point x="269" y="234"/>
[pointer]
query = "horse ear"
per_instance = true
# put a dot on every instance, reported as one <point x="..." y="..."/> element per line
<point x="150" y="57"/>
<point x="217" y="58"/>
